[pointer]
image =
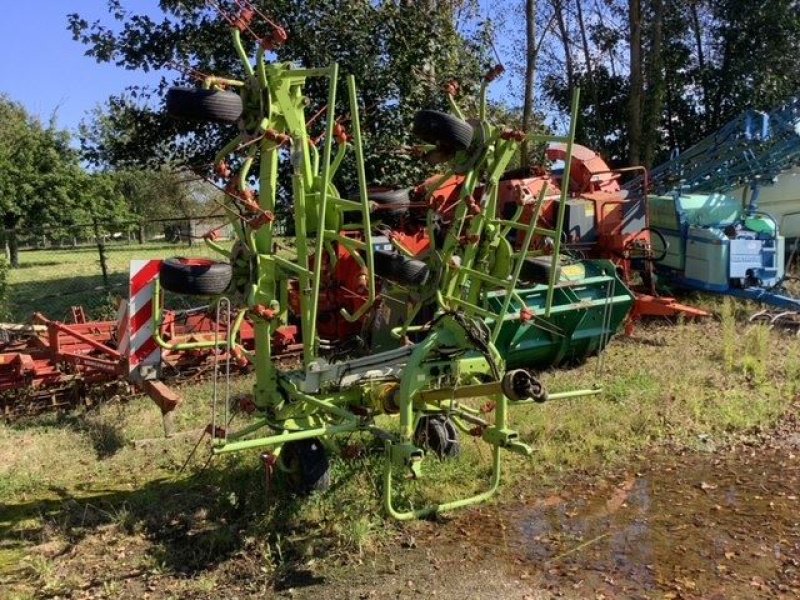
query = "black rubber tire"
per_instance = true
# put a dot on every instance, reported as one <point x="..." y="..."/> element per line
<point x="386" y="197"/>
<point x="308" y="469"/>
<point x="517" y="173"/>
<point x="400" y="269"/>
<point x="444" y="130"/>
<point x="205" y="105"/>
<point x="439" y="435"/>
<point x="392" y="204"/>
<point x="195" y="276"/>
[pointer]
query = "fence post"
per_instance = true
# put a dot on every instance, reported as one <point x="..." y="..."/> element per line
<point x="101" y="250"/>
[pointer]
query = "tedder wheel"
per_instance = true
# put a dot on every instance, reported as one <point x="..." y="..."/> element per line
<point x="444" y="130"/>
<point x="195" y="276"/>
<point x="307" y="466"/>
<point x="204" y="105"/>
<point x="392" y="204"/>
<point x="438" y="434"/>
<point x="400" y="269"/>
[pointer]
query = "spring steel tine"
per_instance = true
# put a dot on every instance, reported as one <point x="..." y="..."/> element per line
<point x="216" y="376"/>
<point x="228" y="350"/>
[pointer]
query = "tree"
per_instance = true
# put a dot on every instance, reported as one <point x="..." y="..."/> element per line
<point x="531" y="52"/>
<point x="42" y="184"/>
<point x="755" y="56"/>
<point x="680" y="68"/>
<point x="400" y="53"/>
<point x="636" y="83"/>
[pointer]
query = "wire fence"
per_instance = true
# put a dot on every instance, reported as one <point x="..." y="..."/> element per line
<point x="54" y="269"/>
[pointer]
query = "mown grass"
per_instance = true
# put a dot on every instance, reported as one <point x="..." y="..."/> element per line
<point x="68" y="478"/>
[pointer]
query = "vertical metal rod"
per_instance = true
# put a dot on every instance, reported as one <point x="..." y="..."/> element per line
<point x="362" y="192"/>
<point x="605" y="336"/>
<point x="520" y="261"/>
<point x="324" y="183"/>
<point x="562" y="206"/>
<point x="306" y="301"/>
<point x="215" y="394"/>
<point x="228" y="346"/>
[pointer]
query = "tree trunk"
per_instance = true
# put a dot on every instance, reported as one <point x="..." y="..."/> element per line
<point x="563" y="32"/>
<point x="10" y="225"/>
<point x="101" y="251"/>
<point x="635" y="100"/>
<point x="591" y="85"/>
<point x="530" y="75"/>
<point x="13" y="248"/>
<point x="722" y="88"/>
<point x="655" y="88"/>
<point x="701" y="59"/>
<point x="587" y="57"/>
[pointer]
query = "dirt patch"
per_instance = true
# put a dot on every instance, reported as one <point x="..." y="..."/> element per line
<point x="677" y="524"/>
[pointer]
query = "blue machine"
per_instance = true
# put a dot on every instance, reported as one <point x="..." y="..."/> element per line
<point x="710" y="241"/>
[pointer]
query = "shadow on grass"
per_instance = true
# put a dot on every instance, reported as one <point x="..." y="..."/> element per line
<point x="105" y="436"/>
<point x="194" y="523"/>
<point x="41" y="263"/>
<point x="54" y="297"/>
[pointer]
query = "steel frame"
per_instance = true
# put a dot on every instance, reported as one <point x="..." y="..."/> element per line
<point x="304" y="404"/>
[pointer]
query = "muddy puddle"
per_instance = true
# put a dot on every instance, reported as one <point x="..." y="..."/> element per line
<point x="687" y="526"/>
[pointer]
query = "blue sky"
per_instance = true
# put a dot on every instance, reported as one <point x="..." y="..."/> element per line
<point x="46" y="71"/>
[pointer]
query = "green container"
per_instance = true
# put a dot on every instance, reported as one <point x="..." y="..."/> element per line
<point x="590" y="305"/>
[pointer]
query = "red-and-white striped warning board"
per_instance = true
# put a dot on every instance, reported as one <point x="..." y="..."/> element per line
<point x="141" y="347"/>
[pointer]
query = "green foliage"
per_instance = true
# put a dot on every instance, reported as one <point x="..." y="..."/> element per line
<point x="717" y="60"/>
<point x="163" y="193"/>
<point x="756" y="50"/>
<point x="400" y="53"/>
<point x="42" y="183"/>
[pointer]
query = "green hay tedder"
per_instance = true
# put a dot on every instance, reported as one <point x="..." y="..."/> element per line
<point x="474" y="316"/>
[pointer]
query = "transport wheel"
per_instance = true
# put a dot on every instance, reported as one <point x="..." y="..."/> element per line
<point x="195" y="276"/>
<point x="307" y="466"/>
<point x="204" y="105"/>
<point x="442" y="129"/>
<point x="438" y="434"/>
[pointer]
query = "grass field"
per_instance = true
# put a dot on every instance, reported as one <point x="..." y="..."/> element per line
<point x="76" y="485"/>
<point x="52" y="280"/>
